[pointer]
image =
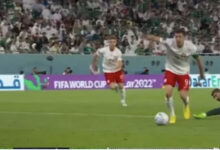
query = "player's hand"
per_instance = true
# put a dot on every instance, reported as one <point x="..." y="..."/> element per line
<point x="94" y="70"/>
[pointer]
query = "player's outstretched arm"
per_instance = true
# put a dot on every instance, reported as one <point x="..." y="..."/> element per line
<point x="200" y="66"/>
<point x="94" y="60"/>
<point x="152" y="38"/>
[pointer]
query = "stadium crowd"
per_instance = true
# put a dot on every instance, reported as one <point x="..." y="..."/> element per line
<point x="81" y="26"/>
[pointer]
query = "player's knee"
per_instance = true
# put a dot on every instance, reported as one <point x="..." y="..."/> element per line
<point x="121" y="86"/>
<point x="183" y="97"/>
<point x="168" y="91"/>
<point x="168" y="94"/>
<point x="112" y="86"/>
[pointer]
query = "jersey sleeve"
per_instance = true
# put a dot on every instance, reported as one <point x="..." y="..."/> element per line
<point x="166" y="41"/>
<point x="194" y="50"/>
<point x="100" y="52"/>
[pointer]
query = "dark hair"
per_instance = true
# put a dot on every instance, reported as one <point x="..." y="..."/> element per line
<point x="49" y="58"/>
<point x="215" y="91"/>
<point x="180" y="30"/>
<point x="68" y="70"/>
<point x="112" y="37"/>
<point x="21" y="72"/>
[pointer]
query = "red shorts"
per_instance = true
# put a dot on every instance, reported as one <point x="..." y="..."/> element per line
<point x="114" y="77"/>
<point x="172" y="78"/>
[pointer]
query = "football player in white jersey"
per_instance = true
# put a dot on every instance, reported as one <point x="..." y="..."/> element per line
<point x="112" y="67"/>
<point x="177" y="68"/>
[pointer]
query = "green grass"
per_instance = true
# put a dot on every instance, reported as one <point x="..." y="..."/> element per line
<point x="95" y="119"/>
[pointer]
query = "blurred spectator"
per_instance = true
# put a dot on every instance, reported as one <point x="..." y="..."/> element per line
<point x="67" y="71"/>
<point x="74" y="49"/>
<point x="54" y="47"/>
<point x="37" y="72"/>
<point x="200" y="47"/>
<point x="130" y="51"/>
<point x="78" y="22"/>
<point x="124" y="45"/>
<point x="140" y="48"/>
<point x="207" y="50"/>
<point x="13" y="47"/>
<point x="145" y="71"/>
<point x="23" y="45"/>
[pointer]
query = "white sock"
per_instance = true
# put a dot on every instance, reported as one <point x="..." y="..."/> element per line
<point x="169" y="102"/>
<point x="123" y="95"/>
<point x="187" y="101"/>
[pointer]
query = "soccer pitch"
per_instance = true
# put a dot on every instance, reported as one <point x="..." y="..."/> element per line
<point x="95" y="119"/>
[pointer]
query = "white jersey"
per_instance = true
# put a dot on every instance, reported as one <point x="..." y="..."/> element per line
<point x="110" y="59"/>
<point x="177" y="59"/>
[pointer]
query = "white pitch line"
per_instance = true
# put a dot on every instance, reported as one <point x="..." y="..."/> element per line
<point x="80" y="114"/>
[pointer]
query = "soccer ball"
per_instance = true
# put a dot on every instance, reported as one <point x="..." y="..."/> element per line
<point x="161" y="118"/>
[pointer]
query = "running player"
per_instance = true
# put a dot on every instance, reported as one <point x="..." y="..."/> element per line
<point x="177" y="68"/>
<point x="112" y="67"/>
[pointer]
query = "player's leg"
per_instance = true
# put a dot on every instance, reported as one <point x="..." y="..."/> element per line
<point x="109" y="77"/>
<point x="169" y="102"/>
<point x="183" y="81"/>
<point x="119" y="77"/>
<point x="122" y="94"/>
<point x="113" y="86"/>
<point x="185" y="98"/>
<point x="169" y="83"/>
